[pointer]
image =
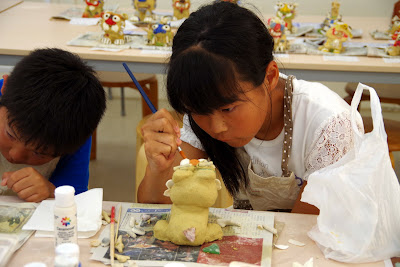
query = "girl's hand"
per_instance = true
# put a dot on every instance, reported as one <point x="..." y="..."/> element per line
<point x="161" y="136"/>
<point x="29" y="184"/>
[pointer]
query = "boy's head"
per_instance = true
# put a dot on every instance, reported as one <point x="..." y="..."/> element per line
<point x="52" y="102"/>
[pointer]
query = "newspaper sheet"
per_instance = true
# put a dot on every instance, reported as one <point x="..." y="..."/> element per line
<point x="246" y="243"/>
<point x="12" y="217"/>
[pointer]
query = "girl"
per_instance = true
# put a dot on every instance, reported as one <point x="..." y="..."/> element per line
<point x="264" y="131"/>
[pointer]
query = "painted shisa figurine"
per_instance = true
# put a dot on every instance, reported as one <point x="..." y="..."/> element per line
<point x="160" y="34"/>
<point x="93" y="9"/>
<point x="181" y="9"/>
<point x="276" y="27"/>
<point x="332" y="16"/>
<point x="113" y="26"/>
<point x="336" y="35"/>
<point x="394" y="50"/>
<point x="144" y="10"/>
<point x="287" y="12"/>
<point x="394" y="29"/>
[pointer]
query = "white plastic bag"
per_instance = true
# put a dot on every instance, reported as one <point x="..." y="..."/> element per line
<point x="358" y="196"/>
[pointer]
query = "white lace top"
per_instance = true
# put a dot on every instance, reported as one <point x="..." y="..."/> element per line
<point x="321" y="133"/>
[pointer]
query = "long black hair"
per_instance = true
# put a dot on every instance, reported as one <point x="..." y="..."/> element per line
<point x="217" y="46"/>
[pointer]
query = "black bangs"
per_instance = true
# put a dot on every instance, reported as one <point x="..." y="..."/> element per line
<point x="201" y="82"/>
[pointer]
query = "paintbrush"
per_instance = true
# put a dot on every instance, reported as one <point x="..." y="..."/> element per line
<point x="112" y="243"/>
<point x="146" y="98"/>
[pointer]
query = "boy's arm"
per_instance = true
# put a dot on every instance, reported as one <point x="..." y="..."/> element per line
<point x="74" y="169"/>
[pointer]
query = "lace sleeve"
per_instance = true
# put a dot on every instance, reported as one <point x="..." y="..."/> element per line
<point x="333" y="140"/>
<point x="188" y="136"/>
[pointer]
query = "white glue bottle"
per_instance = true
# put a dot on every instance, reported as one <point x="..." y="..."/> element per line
<point x="65" y="223"/>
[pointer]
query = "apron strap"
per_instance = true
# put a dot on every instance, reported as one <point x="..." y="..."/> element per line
<point x="288" y="125"/>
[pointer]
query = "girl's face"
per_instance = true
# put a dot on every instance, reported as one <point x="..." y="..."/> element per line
<point x="15" y="150"/>
<point x="236" y="124"/>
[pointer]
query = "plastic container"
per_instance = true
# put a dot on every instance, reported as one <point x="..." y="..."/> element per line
<point x="65" y="219"/>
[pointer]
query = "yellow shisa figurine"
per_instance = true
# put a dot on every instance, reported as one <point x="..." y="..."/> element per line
<point x="93" y="9"/>
<point x="338" y="33"/>
<point x="332" y="16"/>
<point x="276" y="27"/>
<point x="144" y="9"/>
<point x="160" y="34"/>
<point x="113" y="26"/>
<point x="181" y="9"/>
<point x="395" y="28"/>
<point x="394" y="50"/>
<point x="287" y="12"/>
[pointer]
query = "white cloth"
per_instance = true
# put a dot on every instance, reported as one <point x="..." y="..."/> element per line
<point x="321" y="133"/>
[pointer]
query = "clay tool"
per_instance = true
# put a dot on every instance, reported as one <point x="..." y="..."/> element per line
<point x="146" y="98"/>
<point x="119" y="220"/>
<point x="112" y="222"/>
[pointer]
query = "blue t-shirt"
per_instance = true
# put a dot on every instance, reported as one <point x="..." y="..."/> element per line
<point x="72" y="169"/>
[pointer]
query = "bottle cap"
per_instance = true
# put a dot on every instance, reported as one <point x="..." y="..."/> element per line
<point x="67" y="255"/>
<point x="70" y="249"/>
<point x="35" y="264"/>
<point x="64" y="196"/>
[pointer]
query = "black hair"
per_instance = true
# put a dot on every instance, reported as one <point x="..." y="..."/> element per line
<point x="215" y="48"/>
<point x="54" y="101"/>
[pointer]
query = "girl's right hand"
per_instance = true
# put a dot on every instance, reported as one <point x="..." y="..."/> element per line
<point x="161" y="135"/>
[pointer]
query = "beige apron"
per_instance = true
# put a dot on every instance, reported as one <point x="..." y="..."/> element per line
<point x="272" y="193"/>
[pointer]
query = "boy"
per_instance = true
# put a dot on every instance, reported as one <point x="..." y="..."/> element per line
<point x="50" y="105"/>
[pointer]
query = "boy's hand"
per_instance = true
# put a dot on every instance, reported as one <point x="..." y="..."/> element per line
<point x="29" y="184"/>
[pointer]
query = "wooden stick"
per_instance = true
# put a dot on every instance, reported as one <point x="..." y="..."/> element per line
<point x="112" y="245"/>
<point x="119" y="220"/>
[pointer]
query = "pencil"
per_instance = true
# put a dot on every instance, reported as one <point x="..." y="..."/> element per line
<point x="119" y="220"/>
<point x="146" y="98"/>
<point x="112" y="222"/>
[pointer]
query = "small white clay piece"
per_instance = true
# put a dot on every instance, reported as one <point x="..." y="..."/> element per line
<point x="223" y="223"/>
<point x="95" y="243"/>
<point x="138" y="231"/>
<point x="119" y="245"/>
<point x="132" y="222"/>
<point x="281" y="246"/>
<point x="122" y="258"/>
<point x="270" y="229"/>
<point x="105" y="216"/>
<point x="296" y="243"/>
<point x="131" y="234"/>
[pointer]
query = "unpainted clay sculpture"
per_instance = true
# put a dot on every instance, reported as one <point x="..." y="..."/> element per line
<point x="144" y="10"/>
<point x="192" y="189"/>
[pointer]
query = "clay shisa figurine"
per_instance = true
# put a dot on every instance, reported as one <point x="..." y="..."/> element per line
<point x="181" y="9"/>
<point x="160" y="34"/>
<point x="93" y="9"/>
<point x="192" y="189"/>
<point x="113" y="26"/>
<point x="336" y="35"/>
<point x="332" y="16"/>
<point x="144" y="10"/>
<point x="287" y="12"/>
<point x="394" y="50"/>
<point x="276" y="27"/>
